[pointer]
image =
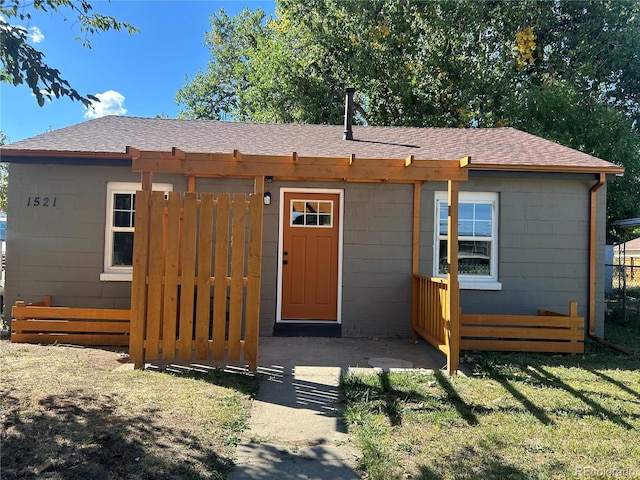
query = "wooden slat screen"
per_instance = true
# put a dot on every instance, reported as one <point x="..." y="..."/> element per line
<point x="193" y="263"/>
<point x="546" y="332"/>
<point x="42" y="323"/>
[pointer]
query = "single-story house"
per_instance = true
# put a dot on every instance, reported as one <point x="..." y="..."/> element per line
<point x="531" y="219"/>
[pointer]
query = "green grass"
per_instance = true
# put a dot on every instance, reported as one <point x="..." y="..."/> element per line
<point x="625" y="330"/>
<point x="518" y="416"/>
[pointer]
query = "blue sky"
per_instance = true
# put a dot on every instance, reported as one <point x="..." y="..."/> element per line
<point x="136" y="75"/>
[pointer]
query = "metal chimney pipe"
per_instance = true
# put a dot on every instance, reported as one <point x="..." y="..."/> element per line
<point x="348" y="114"/>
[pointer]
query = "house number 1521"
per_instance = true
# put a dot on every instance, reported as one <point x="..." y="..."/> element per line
<point x="41" y="201"/>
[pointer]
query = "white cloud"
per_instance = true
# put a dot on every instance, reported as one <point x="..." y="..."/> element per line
<point x="35" y="35"/>
<point x="111" y="103"/>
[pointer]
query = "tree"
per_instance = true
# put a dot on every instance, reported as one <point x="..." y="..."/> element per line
<point x="557" y="112"/>
<point x="437" y="63"/>
<point x="22" y="63"/>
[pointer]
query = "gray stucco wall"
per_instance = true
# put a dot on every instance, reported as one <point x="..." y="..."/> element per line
<point x="59" y="250"/>
<point x="543" y="241"/>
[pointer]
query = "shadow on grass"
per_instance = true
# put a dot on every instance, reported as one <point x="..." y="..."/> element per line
<point x="505" y="380"/>
<point x="463" y="408"/>
<point x="533" y="369"/>
<point x="78" y="436"/>
<point x="598" y="410"/>
<point x="478" y="462"/>
<point x="617" y="383"/>
<point x="380" y="398"/>
<point x="235" y="378"/>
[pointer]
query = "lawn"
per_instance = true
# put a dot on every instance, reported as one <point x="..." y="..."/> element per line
<point x="80" y="413"/>
<point x="77" y="413"/>
<point x="517" y="416"/>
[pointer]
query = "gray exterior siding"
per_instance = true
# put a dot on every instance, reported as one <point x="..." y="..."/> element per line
<point x="376" y="281"/>
<point x="377" y="260"/>
<point x="543" y="244"/>
<point x="59" y="250"/>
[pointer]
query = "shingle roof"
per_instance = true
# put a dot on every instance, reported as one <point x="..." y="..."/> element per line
<point x="633" y="244"/>
<point x="499" y="147"/>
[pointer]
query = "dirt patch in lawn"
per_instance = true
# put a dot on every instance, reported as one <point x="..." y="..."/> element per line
<point x="78" y="413"/>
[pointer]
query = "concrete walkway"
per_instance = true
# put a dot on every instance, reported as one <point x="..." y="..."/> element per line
<point x="295" y="429"/>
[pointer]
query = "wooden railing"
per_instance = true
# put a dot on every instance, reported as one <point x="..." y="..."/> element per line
<point x="545" y="332"/>
<point x="39" y="322"/>
<point x="431" y="311"/>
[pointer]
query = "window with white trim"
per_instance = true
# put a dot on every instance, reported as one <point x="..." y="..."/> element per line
<point x="477" y="237"/>
<point x="120" y="226"/>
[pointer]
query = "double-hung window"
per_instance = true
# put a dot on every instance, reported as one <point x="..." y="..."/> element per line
<point x="477" y="239"/>
<point x="119" y="228"/>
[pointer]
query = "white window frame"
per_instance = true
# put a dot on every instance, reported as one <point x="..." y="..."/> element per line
<point x="306" y="225"/>
<point x="111" y="272"/>
<point x="470" y="282"/>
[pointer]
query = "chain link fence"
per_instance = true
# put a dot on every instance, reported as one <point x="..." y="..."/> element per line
<point x="623" y="290"/>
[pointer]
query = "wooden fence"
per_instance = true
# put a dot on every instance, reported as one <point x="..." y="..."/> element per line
<point x="196" y="277"/>
<point x="546" y="332"/>
<point x="431" y="311"/>
<point x="42" y="323"/>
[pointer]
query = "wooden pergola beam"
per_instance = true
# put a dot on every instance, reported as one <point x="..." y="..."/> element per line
<point x="177" y="153"/>
<point x="238" y="165"/>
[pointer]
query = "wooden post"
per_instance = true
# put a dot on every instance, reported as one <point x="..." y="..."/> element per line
<point x="138" y="282"/>
<point x="453" y="356"/>
<point x="573" y="312"/>
<point x="147" y="181"/>
<point x="573" y="309"/>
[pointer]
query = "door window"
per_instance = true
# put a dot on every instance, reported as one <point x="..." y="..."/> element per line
<point x="311" y="213"/>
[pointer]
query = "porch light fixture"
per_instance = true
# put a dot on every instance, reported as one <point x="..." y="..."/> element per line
<point x="267" y="198"/>
<point x="269" y="179"/>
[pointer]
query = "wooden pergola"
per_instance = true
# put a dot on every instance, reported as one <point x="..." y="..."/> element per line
<point x="163" y="285"/>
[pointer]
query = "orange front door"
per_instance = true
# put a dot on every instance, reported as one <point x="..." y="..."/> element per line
<point x="310" y="256"/>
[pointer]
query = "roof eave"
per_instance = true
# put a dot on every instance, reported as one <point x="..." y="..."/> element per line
<point x="64" y="157"/>
<point x="609" y="170"/>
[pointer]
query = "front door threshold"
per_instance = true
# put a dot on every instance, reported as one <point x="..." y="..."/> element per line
<point x="296" y="329"/>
